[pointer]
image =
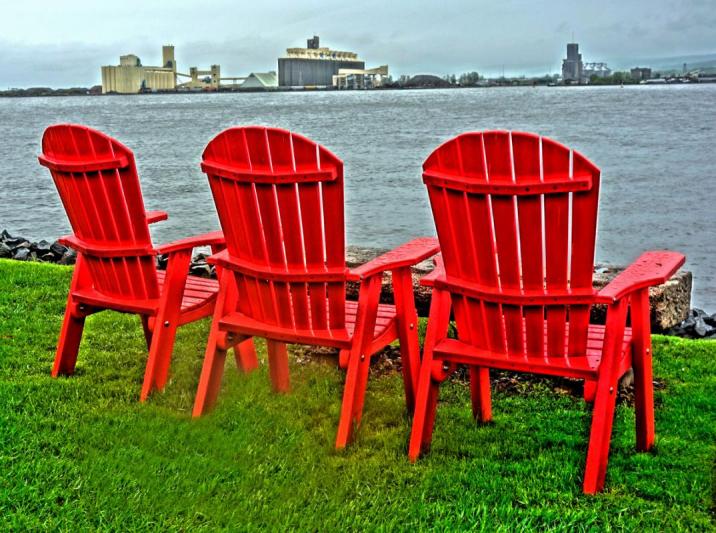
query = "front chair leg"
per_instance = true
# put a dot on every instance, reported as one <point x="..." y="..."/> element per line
<point x="359" y="360"/>
<point x="166" y="323"/>
<point x="643" y="378"/>
<point x="407" y="332"/>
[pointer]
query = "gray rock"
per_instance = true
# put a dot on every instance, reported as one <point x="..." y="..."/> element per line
<point x="22" y="254"/>
<point x="58" y="249"/>
<point x="69" y="257"/>
<point x="4" y="236"/>
<point x="201" y="269"/>
<point x="5" y="250"/>
<point x="702" y="329"/>
<point x="42" y="247"/>
<point x="17" y="243"/>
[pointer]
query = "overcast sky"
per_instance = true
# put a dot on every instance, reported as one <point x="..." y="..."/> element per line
<point x="63" y="43"/>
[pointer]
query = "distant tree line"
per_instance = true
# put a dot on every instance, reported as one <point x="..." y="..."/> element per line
<point x="466" y="79"/>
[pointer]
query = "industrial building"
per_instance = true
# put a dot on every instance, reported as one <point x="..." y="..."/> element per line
<point x="640" y="73"/>
<point x="314" y="66"/>
<point x="258" y="81"/>
<point x="348" y="78"/>
<point x="572" y="65"/>
<point x="574" y="70"/>
<point x="131" y="77"/>
<point x="600" y="70"/>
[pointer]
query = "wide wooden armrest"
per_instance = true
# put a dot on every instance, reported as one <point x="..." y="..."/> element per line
<point x="156" y="216"/>
<point x="650" y="268"/>
<point x="207" y="239"/>
<point x="428" y="280"/>
<point x="405" y="255"/>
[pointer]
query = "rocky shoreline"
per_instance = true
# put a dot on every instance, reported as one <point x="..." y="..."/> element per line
<point x="671" y="310"/>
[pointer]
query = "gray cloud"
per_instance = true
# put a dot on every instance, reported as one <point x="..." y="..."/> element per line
<point x="45" y="42"/>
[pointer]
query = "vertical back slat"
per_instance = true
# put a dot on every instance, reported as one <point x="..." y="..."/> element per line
<point x="526" y="151"/>
<point x="556" y="161"/>
<point x="498" y="155"/>
<point x="584" y="231"/>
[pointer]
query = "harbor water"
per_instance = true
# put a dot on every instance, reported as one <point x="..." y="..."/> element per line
<point x="656" y="147"/>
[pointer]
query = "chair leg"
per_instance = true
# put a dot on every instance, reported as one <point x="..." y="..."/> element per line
<point x="245" y="355"/>
<point x="643" y="377"/>
<point x="68" y="344"/>
<point x="166" y="323"/>
<point x="590" y="390"/>
<point x="605" y="400"/>
<point x="426" y="402"/>
<point x="353" y="397"/>
<point x="211" y="372"/>
<point x="147" y="331"/>
<point x="407" y="332"/>
<point x="599" y="441"/>
<point x="359" y="361"/>
<point x="278" y="366"/>
<point x="160" y="354"/>
<point x="480" y="393"/>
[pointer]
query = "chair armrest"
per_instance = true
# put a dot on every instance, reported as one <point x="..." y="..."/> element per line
<point x="207" y="239"/>
<point x="650" y="268"/>
<point x="405" y="255"/>
<point x="428" y="280"/>
<point x="156" y="216"/>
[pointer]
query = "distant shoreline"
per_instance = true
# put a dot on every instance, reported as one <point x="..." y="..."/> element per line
<point x="41" y="92"/>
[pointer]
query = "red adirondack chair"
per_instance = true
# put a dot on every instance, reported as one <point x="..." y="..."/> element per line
<point x="516" y="216"/>
<point x="97" y="180"/>
<point x="279" y="197"/>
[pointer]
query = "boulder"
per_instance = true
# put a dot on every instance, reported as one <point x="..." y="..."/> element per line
<point x="5" y="250"/>
<point x="22" y="254"/>
<point x="57" y="249"/>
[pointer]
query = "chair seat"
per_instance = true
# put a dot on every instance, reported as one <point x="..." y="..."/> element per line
<point x="196" y="292"/>
<point x="340" y="338"/>
<point x="583" y="365"/>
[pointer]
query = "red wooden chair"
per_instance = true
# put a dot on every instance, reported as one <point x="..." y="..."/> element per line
<point x="516" y="216"/>
<point x="97" y="180"/>
<point x="279" y="197"/>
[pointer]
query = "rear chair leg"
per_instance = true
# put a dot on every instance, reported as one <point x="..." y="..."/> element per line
<point x="147" y="331"/>
<point x="590" y="390"/>
<point x="68" y="344"/>
<point x="211" y="372"/>
<point x="245" y="355"/>
<point x="278" y="366"/>
<point x="480" y="392"/>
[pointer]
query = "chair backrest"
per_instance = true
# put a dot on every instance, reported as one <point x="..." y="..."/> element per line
<point x="97" y="180"/>
<point x="516" y="216"/>
<point x="279" y="197"/>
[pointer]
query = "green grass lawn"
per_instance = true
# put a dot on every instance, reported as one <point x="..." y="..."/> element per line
<point x="81" y="453"/>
